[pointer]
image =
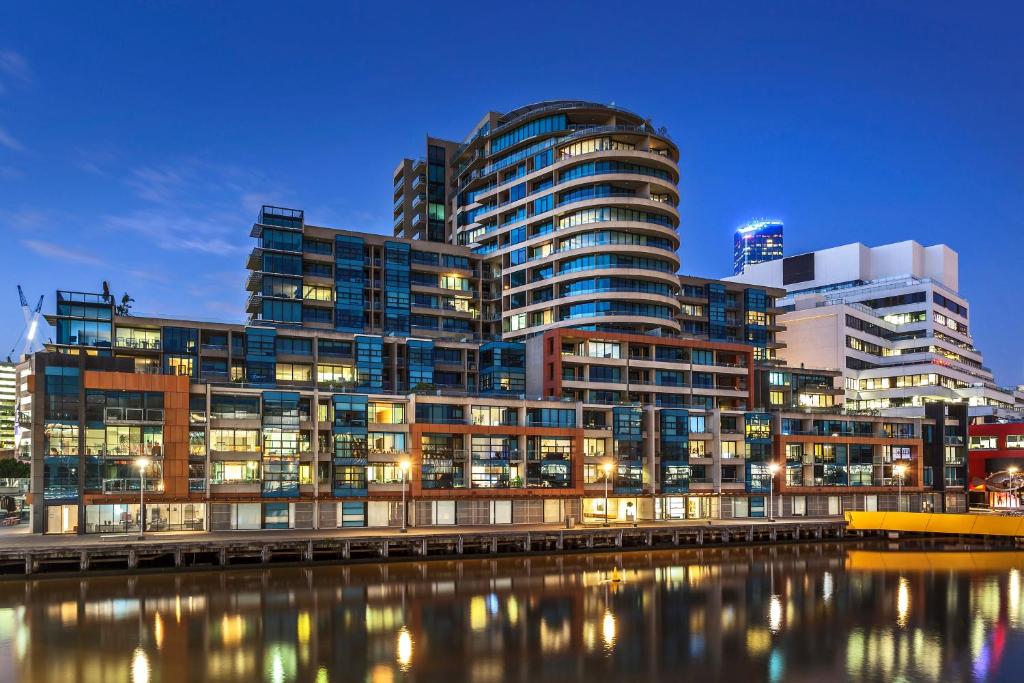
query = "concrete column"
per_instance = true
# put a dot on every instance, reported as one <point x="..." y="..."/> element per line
<point x="713" y="423"/>
<point x="315" y="437"/>
<point x="650" y="453"/>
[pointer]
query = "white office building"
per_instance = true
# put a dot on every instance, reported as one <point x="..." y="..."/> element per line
<point x="890" y="319"/>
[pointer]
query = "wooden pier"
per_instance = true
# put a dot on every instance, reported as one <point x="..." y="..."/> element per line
<point x="35" y="555"/>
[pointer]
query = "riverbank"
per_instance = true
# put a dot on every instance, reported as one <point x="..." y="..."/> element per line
<point x="25" y="554"/>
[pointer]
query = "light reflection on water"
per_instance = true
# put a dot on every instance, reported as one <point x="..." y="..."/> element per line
<point x="788" y="612"/>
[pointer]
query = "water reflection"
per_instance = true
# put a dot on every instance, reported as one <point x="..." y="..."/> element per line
<point x="811" y="612"/>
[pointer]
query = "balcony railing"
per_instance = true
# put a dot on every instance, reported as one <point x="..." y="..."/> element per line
<point x="132" y="343"/>
<point x="115" y="415"/>
<point x="131" y="484"/>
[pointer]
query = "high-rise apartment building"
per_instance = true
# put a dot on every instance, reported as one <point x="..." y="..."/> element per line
<point x="8" y="407"/>
<point x="756" y="242"/>
<point x="891" y="319"/>
<point x="573" y="205"/>
<point x="535" y="351"/>
<point x="421" y="190"/>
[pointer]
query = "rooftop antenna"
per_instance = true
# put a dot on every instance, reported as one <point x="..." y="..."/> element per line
<point x="31" y="317"/>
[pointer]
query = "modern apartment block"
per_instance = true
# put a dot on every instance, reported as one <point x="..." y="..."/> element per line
<point x="421" y="189"/>
<point x="534" y="357"/>
<point x="890" y="318"/>
<point x="723" y="311"/>
<point x="8" y="408"/>
<point x="574" y="206"/>
<point x="756" y="242"/>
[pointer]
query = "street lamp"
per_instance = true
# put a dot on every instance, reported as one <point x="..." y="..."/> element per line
<point x="142" y="463"/>
<point x="773" y="469"/>
<point x="1014" y="482"/>
<point x="899" y="471"/>
<point x="404" y="466"/>
<point x="607" y="469"/>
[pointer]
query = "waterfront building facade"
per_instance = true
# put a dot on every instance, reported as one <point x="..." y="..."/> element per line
<point x="890" y="318"/>
<point x="296" y="421"/>
<point x="756" y="242"/>
<point x="527" y="354"/>
<point x="8" y="409"/>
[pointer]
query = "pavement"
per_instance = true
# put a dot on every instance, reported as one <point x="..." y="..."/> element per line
<point x="20" y="538"/>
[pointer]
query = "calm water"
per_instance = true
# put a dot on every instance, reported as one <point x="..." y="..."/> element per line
<point x="791" y="612"/>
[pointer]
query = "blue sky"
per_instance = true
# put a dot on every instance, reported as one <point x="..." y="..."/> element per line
<point x="137" y="140"/>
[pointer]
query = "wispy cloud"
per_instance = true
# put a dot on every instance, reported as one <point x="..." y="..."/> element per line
<point x="159" y="185"/>
<point x="194" y="205"/>
<point x="95" y="159"/>
<point x="14" y="66"/>
<point x="55" y="251"/>
<point x="179" y="232"/>
<point x="9" y="141"/>
<point x="13" y="69"/>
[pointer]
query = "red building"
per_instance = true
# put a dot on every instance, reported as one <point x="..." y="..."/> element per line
<point x="995" y="464"/>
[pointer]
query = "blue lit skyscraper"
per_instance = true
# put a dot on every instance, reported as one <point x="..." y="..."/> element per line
<point x="756" y="242"/>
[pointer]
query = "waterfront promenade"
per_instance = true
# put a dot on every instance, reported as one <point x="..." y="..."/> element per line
<point x="22" y="553"/>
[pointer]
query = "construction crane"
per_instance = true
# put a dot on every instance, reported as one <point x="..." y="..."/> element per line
<point x="31" y="316"/>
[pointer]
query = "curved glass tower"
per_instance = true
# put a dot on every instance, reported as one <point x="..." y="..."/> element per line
<point x="574" y="205"/>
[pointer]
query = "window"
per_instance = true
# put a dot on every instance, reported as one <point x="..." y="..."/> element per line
<point x="386" y="413"/>
<point x="236" y="440"/>
<point x="776" y="398"/>
<point x="386" y="442"/>
<point x="293" y="372"/>
<point x="592" y="145"/>
<point x="335" y="374"/>
<point x="603" y="350"/>
<point x="383" y="473"/>
<point x="495" y="416"/>
<point x="982" y="443"/>
<point x="546" y="124"/>
<point x="551" y="417"/>
<point x="1015" y="440"/>
<point x="234" y="472"/>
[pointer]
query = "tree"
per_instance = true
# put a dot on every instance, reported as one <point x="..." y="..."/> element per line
<point x="13" y="469"/>
<point x="125" y="307"/>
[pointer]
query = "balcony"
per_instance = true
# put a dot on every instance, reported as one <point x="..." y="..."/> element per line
<point x="131" y="485"/>
<point x="137" y="344"/>
<point x="133" y="415"/>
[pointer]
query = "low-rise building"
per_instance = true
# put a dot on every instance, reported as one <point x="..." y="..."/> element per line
<point x="996" y="464"/>
<point x="891" y="319"/>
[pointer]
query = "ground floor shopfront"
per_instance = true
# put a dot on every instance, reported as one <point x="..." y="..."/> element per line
<point x="328" y="514"/>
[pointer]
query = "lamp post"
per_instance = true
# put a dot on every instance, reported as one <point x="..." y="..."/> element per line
<point x="1014" y="482"/>
<point x="607" y="469"/>
<point x="899" y="470"/>
<point x="404" y="466"/>
<point x="773" y="469"/>
<point x="142" y="463"/>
